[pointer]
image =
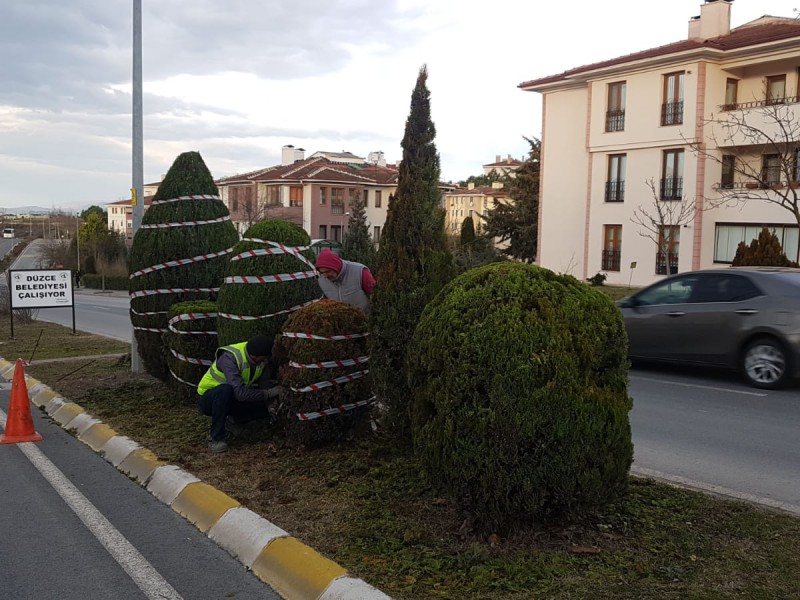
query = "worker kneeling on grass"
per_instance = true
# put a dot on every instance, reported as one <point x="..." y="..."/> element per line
<point x="237" y="389"/>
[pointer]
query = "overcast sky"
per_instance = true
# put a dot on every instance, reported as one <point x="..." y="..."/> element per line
<point x="238" y="79"/>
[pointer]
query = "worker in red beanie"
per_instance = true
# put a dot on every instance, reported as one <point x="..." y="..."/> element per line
<point x="344" y="280"/>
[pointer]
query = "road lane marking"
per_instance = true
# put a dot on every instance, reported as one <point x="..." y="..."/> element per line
<point x="146" y="578"/>
<point x="718" y="490"/>
<point x="698" y="386"/>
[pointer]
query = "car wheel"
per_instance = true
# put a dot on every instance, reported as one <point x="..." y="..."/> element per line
<point x="765" y="363"/>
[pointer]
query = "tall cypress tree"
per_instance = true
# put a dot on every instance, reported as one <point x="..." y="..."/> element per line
<point x="358" y="245"/>
<point x="413" y="262"/>
<point x="181" y="248"/>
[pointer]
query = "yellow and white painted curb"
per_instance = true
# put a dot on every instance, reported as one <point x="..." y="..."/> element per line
<point x="294" y="570"/>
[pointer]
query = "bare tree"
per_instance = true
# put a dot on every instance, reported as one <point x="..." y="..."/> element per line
<point x="661" y="222"/>
<point x="757" y="144"/>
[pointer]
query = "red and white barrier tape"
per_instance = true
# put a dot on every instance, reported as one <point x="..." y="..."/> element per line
<point x="331" y="382"/>
<point x="180" y="262"/>
<point x="192" y="317"/>
<point x="151" y="329"/>
<point x="184" y="223"/>
<point x="332" y="338"/>
<point x="171" y="372"/>
<point x="181" y="198"/>
<point x="336" y="410"/>
<point x="180" y="332"/>
<point x="270" y="278"/>
<point x="142" y="293"/>
<point x="275" y="314"/>
<point x="331" y="364"/>
<point x="192" y="361"/>
<point x="149" y="314"/>
<point x="294" y="250"/>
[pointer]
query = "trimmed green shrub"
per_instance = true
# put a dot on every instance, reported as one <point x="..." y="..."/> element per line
<point x="326" y="318"/>
<point x="188" y="176"/>
<point x="358" y="245"/>
<point x="467" y="232"/>
<point x="520" y="403"/>
<point x="197" y="341"/>
<point x="763" y="251"/>
<point x="260" y="299"/>
<point x="413" y="261"/>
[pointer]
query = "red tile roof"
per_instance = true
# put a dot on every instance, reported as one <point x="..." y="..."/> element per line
<point x="509" y="162"/>
<point x="318" y="169"/>
<point x="772" y="30"/>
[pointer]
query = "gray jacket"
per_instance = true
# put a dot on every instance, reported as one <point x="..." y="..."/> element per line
<point x="347" y="286"/>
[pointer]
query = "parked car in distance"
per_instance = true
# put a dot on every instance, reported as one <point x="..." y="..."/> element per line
<point x="8" y="232"/>
<point x="745" y="318"/>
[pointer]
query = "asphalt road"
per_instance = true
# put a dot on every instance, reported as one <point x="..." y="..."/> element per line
<point x="72" y="527"/>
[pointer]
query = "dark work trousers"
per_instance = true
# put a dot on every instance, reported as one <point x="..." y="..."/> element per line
<point x="220" y="402"/>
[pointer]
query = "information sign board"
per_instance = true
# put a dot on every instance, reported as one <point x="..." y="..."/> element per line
<point x="40" y="288"/>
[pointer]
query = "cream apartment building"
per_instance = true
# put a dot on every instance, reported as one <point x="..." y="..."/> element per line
<point x="659" y="115"/>
<point x="474" y="202"/>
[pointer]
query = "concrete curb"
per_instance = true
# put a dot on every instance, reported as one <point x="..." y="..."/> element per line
<point x="293" y="569"/>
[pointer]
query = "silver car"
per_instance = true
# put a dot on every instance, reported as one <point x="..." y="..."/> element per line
<point x="747" y="318"/>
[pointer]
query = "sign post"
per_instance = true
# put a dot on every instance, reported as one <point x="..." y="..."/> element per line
<point x="40" y="288"/>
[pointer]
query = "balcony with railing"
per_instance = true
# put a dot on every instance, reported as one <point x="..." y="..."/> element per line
<point x="671" y="188"/>
<point x="672" y="113"/>
<point x="611" y="260"/>
<point x="337" y="209"/>
<point x="755" y="123"/>
<point x="662" y="259"/>
<point x="615" y="120"/>
<point x="615" y="191"/>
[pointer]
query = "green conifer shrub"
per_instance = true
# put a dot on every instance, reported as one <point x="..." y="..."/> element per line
<point x="413" y="261"/>
<point x="763" y="251"/>
<point x="358" y="245"/>
<point x="191" y="339"/>
<point x="326" y="318"/>
<point x="520" y="403"/>
<point x="152" y="247"/>
<point x="261" y="299"/>
<point x="467" y="231"/>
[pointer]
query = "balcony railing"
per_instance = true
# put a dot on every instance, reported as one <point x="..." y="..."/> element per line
<point x="672" y="113"/>
<point x="661" y="263"/>
<point x="615" y="191"/>
<point x="671" y="188"/>
<point x="760" y="103"/>
<point x="611" y="260"/>
<point x="337" y="209"/>
<point x="615" y="120"/>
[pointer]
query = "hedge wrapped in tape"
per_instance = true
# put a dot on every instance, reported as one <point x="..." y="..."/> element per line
<point x="326" y="318"/>
<point x="192" y="345"/>
<point x="520" y="402"/>
<point x="154" y="246"/>
<point x="240" y="302"/>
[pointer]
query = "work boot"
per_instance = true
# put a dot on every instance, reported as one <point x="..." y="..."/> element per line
<point x="232" y="428"/>
<point x="218" y="446"/>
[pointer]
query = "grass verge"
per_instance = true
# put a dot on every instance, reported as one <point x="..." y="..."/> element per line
<point x="369" y="506"/>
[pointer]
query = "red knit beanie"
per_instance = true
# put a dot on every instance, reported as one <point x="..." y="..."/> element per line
<point x="329" y="260"/>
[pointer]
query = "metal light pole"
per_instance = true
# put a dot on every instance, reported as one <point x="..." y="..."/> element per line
<point x="137" y="180"/>
<point x="78" y="238"/>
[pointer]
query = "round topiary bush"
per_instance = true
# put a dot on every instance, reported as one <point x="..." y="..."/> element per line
<point x="191" y="341"/>
<point x="520" y="404"/>
<point x="331" y="345"/>
<point x="246" y="305"/>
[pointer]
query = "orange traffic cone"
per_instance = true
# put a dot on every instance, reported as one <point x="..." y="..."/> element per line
<point x="19" y="425"/>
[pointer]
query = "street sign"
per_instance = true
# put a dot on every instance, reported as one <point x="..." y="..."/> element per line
<point x="40" y="288"/>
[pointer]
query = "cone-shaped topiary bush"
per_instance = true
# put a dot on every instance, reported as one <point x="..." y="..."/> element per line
<point x="520" y="403"/>
<point x="305" y="363"/>
<point x="250" y="308"/>
<point x="191" y="342"/>
<point x="178" y="254"/>
<point x="765" y="251"/>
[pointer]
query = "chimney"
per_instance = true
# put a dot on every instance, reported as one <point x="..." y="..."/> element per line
<point x="290" y="155"/>
<point x="471" y="184"/>
<point x="714" y="20"/>
<point x="497" y="158"/>
<point x="509" y="158"/>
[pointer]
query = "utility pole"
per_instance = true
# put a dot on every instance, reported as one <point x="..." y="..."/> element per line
<point x="137" y="181"/>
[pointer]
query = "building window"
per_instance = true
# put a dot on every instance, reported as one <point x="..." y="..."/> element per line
<point x="612" y="247"/>
<point x="323" y="195"/>
<point x="776" y="89"/>
<point x="376" y="234"/>
<point x="615" y="107"/>
<point x="323" y="232"/>
<point x="770" y="170"/>
<point x="377" y="198"/>
<point x="731" y="94"/>
<point x="672" y="180"/>
<point x="273" y="195"/>
<point x="337" y="202"/>
<point x="728" y="236"/>
<point x="366" y="198"/>
<point x="296" y="195"/>
<point x="351" y="197"/>
<point x="669" y="238"/>
<point x="672" y="105"/>
<point x="728" y="171"/>
<point x="796" y="165"/>
<point x="235" y="204"/>
<point x="336" y="233"/>
<point x="615" y="184"/>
